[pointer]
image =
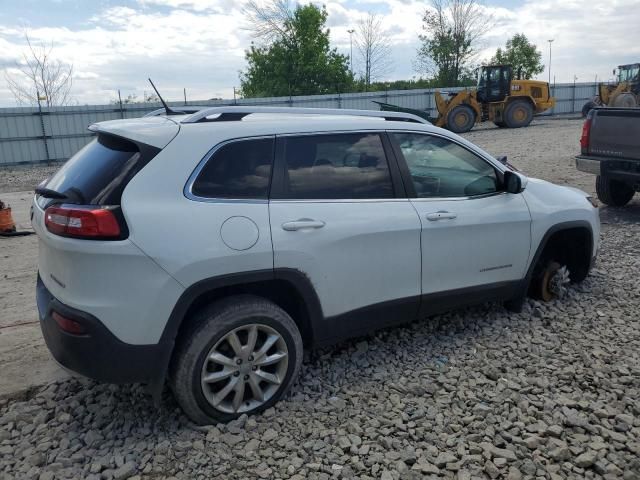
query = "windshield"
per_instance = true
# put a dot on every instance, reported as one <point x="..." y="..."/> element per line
<point x="628" y="73"/>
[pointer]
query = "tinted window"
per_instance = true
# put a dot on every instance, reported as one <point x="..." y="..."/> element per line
<point x="441" y="168"/>
<point x="239" y="169"/>
<point x="336" y="166"/>
<point x="98" y="173"/>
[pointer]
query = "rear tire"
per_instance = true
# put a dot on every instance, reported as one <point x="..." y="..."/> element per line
<point x="613" y="192"/>
<point x="461" y="119"/>
<point x="625" y="100"/>
<point x="518" y="113"/>
<point x="221" y="351"/>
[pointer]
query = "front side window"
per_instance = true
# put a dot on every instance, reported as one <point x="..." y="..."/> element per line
<point x="442" y="168"/>
<point x="340" y="166"/>
<point x="241" y="169"/>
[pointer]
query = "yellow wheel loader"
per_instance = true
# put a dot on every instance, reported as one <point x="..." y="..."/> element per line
<point x="624" y="93"/>
<point x="498" y="98"/>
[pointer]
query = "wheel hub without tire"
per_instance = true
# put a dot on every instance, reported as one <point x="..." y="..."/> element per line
<point x="244" y="369"/>
<point x="559" y="282"/>
<point x="519" y="114"/>
<point x="555" y="281"/>
<point x="461" y="119"/>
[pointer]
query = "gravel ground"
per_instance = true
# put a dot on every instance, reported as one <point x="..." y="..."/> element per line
<point x="25" y="177"/>
<point x="552" y="392"/>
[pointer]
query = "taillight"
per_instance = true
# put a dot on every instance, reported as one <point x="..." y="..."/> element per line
<point x="68" y="325"/>
<point x="82" y="221"/>
<point x="584" y="139"/>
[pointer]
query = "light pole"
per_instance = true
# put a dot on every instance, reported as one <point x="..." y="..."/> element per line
<point x="550" y="41"/>
<point x="351" y="32"/>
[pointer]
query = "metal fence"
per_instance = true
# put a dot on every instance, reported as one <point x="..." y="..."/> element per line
<point x="46" y="135"/>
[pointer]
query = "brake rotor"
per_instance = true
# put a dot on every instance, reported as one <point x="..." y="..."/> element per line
<point x="555" y="281"/>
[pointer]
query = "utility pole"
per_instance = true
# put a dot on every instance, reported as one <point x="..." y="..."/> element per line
<point x="550" y="41"/>
<point x="351" y="32"/>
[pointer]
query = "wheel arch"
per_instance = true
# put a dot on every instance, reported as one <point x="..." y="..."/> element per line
<point x="290" y="289"/>
<point x="557" y="238"/>
<point x="515" y="98"/>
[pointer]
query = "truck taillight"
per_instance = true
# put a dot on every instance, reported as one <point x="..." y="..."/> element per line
<point x="82" y="222"/>
<point x="584" y="139"/>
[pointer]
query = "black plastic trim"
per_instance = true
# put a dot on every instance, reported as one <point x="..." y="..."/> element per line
<point x="545" y="239"/>
<point x="367" y="319"/>
<point x="440" y="302"/>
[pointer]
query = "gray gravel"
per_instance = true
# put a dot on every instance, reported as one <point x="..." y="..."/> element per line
<point x="551" y="393"/>
<point x="25" y="177"/>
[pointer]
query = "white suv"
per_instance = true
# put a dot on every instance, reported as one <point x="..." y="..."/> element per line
<point x="208" y="248"/>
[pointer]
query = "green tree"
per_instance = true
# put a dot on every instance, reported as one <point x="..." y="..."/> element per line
<point x="522" y="55"/>
<point x="298" y="58"/>
<point x="452" y="31"/>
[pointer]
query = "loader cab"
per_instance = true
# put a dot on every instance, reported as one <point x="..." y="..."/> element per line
<point x="494" y="82"/>
<point x="631" y="75"/>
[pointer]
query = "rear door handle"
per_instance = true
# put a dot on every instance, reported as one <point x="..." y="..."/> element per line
<point x="301" y="224"/>
<point x="441" y="215"/>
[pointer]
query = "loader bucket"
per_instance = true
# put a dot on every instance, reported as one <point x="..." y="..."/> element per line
<point x="388" y="107"/>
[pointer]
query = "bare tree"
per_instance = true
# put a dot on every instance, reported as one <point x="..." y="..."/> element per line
<point x="40" y="75"/>
<point x="374" y="48"/>
<point x="452" y="33"/>
<point x="267" y="21"/>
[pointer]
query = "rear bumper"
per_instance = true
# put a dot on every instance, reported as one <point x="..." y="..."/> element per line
<point x="588" y="165"/>
<point x="615" y="168"/>
<point x="98" y="354"/>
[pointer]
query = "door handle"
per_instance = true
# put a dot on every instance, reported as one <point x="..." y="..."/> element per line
<point x="301" y="224"/>
<point x="441" y="215"/>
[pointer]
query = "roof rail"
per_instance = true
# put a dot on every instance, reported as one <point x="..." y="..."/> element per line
<point x="227" y="114"/>
<point x="183" y="110"/>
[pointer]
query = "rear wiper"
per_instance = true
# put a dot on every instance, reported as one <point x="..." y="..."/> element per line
<point x="48" y="193"/>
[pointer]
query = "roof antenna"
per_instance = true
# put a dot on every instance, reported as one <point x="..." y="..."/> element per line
<point x="164" y="104"/>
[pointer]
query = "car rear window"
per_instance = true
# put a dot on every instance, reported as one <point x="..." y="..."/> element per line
<point x="98" y="174"/>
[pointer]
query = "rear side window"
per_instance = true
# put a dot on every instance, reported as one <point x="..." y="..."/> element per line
<point x="98" y="174"/>
<point x="239" y="169"/>
<point x="341" y="166"/>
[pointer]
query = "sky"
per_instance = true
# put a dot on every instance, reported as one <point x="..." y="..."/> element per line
<point x="199" y="45"/>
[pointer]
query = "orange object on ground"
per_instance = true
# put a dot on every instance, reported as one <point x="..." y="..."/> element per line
<point x="6" y="220"/>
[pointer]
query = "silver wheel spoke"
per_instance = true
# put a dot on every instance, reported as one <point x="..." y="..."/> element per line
<point x="269" y="377"/>
<point x="222" y="394"/>
<point x="271" y="359"/>
<point x="221" y="359"/>
<point x="238" y="396"/>
<point x="256" y="390"/>
<point x="213" y="377"/>
<point x="268" y="343"/>
<point x="253" y="336"/>
<point x="234" y="341"/>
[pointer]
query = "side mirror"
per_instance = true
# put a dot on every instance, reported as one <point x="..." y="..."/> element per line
<point x="512" y="182"/>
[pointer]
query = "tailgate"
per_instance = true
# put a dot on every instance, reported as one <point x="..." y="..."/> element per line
<point x="615" y="133"/>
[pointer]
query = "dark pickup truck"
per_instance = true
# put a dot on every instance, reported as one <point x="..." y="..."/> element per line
<point x="610" y="149"/>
